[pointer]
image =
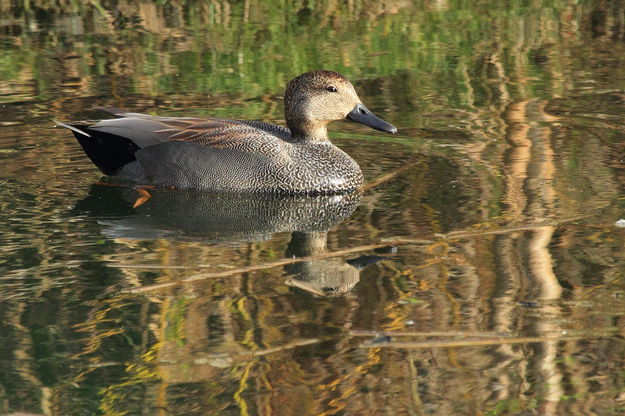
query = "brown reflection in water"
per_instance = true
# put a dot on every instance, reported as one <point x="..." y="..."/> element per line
<point x="531" y="194"/>
<point x="23" y="366"/>
<point x="246" y="331"/>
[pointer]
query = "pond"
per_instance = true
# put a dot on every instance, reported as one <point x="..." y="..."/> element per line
<point x="481" y="272"/>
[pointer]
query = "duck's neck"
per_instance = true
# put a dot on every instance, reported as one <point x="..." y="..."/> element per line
<point x="307" y="131"/>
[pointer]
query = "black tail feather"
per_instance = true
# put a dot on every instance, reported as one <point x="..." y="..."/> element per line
<point x="107" y="151"/>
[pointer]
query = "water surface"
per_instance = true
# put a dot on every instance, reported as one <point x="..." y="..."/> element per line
<point x="483" y="276"/>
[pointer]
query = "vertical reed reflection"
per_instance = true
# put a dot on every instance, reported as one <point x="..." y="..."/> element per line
<point x="531" y="194"/>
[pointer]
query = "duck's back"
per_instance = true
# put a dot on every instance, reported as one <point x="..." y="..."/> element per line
<point x="216" y="155"/>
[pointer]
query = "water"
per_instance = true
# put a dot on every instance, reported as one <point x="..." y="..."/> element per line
<point x="484" y="275"/>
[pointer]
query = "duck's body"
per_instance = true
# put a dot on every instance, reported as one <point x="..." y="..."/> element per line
<point x="237" y="156"/>
<point x="216" y="155"/>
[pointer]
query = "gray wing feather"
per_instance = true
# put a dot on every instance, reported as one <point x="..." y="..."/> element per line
<point x="145" y="130"/>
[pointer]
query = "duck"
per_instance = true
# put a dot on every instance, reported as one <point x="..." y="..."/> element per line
<point x="237" y="156"/>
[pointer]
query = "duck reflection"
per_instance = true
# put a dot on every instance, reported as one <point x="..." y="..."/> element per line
<point x="323" y="277"/>
<point x="129" y="213"/>
<point x="125" y="212"/>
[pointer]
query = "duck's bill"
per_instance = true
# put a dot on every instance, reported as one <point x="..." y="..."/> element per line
<point x="361" y="114"/>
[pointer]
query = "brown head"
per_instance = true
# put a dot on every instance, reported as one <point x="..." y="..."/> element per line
<point x="316" y="98"/>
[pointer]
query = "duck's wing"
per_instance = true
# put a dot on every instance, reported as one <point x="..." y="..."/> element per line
<point x="145" y="130"/>
<point x="223" y="133"/>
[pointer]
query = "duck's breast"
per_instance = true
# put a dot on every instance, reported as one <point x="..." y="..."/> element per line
<point x="321" y="168"/>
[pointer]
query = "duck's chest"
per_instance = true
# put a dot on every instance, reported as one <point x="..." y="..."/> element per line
<point x="320" y="168"/>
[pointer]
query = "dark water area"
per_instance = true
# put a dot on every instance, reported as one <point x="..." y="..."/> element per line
<point x="481" y="273"/>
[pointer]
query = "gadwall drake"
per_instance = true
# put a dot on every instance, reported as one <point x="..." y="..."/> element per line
<point x="237" y="156"/>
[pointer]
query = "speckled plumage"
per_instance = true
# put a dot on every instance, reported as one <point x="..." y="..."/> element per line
<point x="236" y="156"/>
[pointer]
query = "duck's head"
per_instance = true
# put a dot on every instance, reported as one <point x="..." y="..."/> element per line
<point x="316" y="98"/>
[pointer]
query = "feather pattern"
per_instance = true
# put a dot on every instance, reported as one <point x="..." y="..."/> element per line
<point x="211" y="132"/>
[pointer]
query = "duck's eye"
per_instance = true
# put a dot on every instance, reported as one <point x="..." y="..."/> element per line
<point x="331" y="88"/>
